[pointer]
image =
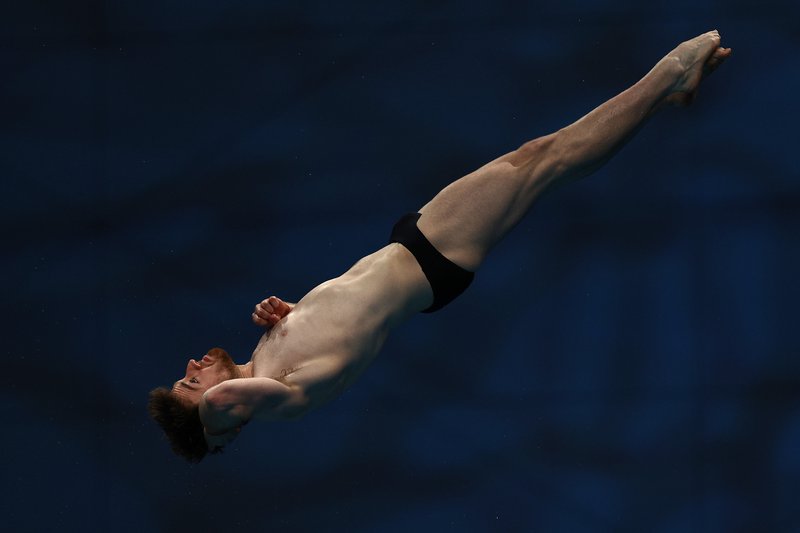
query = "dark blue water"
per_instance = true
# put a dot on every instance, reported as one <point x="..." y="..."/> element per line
<point x="628" y="359"/>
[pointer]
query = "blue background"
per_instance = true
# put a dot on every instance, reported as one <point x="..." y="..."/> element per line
<point x="627" y="359"/>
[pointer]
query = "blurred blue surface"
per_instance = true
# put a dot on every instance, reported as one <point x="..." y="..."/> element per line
<point x="627" y="360"/>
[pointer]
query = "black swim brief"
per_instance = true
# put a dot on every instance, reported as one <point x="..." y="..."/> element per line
<point x="447" y="279"/>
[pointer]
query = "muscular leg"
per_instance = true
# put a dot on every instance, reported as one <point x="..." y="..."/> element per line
<point x="469" y="216"/>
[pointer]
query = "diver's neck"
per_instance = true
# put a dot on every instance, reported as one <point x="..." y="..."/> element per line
<point x="245" y="370"/>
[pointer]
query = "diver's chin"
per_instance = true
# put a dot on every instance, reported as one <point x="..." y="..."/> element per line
<point x="217" y="354"/>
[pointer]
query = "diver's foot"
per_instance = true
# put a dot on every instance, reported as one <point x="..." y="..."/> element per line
<point x="697" y="58"/>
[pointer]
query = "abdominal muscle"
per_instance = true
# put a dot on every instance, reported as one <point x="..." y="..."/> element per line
<point x="336" y="330"/>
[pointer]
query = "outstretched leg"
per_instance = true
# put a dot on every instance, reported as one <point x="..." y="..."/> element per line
<point x="469" y="216"/>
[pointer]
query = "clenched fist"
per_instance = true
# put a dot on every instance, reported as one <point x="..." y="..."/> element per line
<point x="270" y="311"/>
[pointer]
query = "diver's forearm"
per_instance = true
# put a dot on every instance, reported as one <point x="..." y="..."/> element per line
<point x="586" y="145"/>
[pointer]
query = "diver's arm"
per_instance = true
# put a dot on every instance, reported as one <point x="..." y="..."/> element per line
<point x="234" y="402"/>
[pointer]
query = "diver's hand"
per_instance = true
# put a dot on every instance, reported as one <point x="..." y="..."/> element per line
<point x="270" y="311"/>
<point x="217" y="442"/>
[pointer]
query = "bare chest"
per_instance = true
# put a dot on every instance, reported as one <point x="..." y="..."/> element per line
<point x="337" y="329"/>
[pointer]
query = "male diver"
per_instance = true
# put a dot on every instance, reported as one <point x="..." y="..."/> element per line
<point x="314" y="349"/>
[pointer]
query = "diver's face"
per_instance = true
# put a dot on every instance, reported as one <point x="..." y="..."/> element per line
<point x="212" y="369"/>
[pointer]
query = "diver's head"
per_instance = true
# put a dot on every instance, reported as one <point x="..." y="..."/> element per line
<point x="177" y="410"/>
<point x="212" y="369"/>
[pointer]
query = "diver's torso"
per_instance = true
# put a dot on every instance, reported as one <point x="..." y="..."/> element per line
<point x="335" y="331"/>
